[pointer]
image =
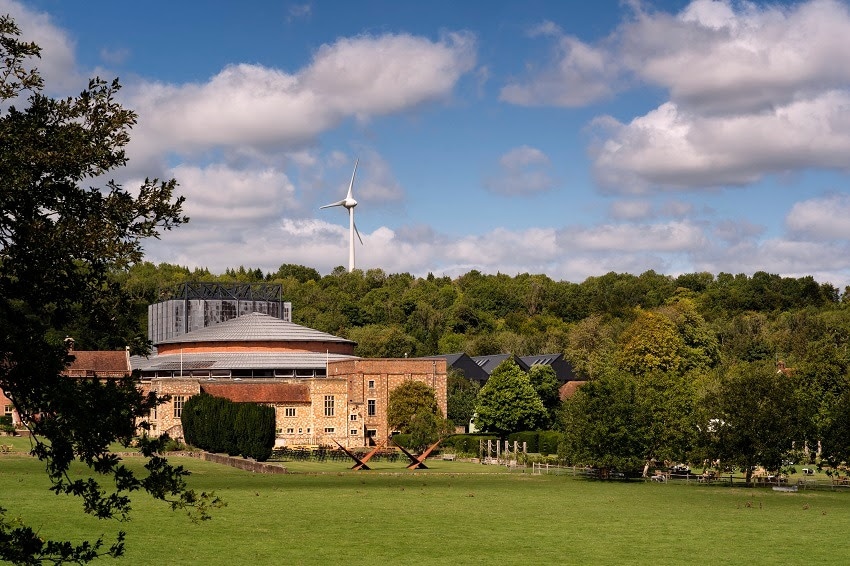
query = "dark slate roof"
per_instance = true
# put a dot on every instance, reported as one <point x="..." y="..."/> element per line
<point x="237" y="360"/>
<point x="256" y="327"/>
<point x="563" y="369"/>
<point x="100" y="363"/>
<point x="465" y="365"/>
<point x="489" y="363"/>
<point x="259" y="392"/>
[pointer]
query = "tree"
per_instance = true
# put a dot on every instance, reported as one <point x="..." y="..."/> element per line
<point x="461" y="393"/>
<point x="413" y="410"/>
<point x="408" y="399"/>
<point x="60" y="238"/>
<point x="626" y="422"/>
<point x="545" y="383"/>
<point x="651" y="343"/>
<point x="753" y="416"/>
<point x="603" y="426"/>
<point x="508" y="403"/>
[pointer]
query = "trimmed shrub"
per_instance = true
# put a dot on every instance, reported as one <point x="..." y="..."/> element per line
<point x="466" y="443"/>
<point x="530" y="437"/>
<point x="219" y="425"/>
<point x="548" y="441"/>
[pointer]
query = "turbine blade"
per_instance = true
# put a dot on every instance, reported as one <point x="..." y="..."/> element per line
<point x="351" y="184"/>
<point x="337" y="203"/>
<point x="356" y="231"/>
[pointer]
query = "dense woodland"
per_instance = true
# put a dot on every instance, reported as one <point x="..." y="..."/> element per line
<point x="679" y="368"/>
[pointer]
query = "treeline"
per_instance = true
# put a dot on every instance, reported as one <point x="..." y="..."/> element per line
<point x="390" y="315"/>
<point x="668" y="356"/>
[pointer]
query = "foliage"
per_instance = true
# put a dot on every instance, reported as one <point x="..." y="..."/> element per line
<point x="545" y="383"/>
<point x="219" y="425"/>
<point x="461" y="393"/>
<point x="752" y="416"/>
<point x="466" y="443"/>
<point x="61" y="238"/>
<point x="508" y="402"/>
<point x="621" y="421"/>
<point x="651" y="343"/>
<point x="407" y="400"/>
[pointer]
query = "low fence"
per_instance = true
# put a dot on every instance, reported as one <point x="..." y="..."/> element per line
<point x="239" y="463"/>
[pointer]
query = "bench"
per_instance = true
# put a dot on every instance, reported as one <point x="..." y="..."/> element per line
<point x="6" y="448"/>
<point x="448" y="457"/>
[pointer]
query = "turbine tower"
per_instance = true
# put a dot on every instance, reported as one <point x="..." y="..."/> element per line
<point x="349" y="203"/>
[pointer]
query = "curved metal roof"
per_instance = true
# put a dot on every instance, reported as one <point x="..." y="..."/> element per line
<point x="238" y="360"/>
<point x="256" y="327"/>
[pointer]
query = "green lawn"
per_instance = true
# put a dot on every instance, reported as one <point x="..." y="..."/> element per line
<point x="455" y="513"/>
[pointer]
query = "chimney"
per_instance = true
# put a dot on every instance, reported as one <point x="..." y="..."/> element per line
<point x="69" y="343"/>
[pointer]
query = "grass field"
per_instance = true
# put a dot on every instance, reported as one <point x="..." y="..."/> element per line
<point x="454" y="513"/>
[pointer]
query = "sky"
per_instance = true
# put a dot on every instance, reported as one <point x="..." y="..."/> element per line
<point x="565" y="138"/>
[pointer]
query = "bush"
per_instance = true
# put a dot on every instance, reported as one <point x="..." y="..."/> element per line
<point x="548" y="441"/>
<point x="466" y="443"/>
<point x="529" y="437"/>
<point x="219" y="425"/>
<point x="538" y="441"/>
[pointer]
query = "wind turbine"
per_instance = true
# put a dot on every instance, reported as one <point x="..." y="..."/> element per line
<point x="349" y="203"/>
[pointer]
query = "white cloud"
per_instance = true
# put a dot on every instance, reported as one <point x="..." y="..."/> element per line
<point x="522" y="170"/>
<point x="725" y="57"/>
<point x="57" y="64"/>
<point x="228" y="198"/>
<point x="674" y="148"/>
<point x="668" y="237"/>
<point x="579" y="74"/>
<point x="253" y="105"/>
<point x="824" y="218"/>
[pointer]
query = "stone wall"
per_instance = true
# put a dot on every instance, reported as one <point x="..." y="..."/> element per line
<point x="349" y="406"/>
<point x="370" y="382"/>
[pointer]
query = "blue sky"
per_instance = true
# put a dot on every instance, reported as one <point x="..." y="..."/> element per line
<point x="565" y="138"/>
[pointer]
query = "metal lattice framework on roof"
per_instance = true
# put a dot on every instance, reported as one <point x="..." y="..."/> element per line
<point x="219" y="291"/>
<point x="191" y="306"/>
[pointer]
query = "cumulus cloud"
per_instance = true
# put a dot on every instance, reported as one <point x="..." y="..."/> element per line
<point x="578" y="75"/>
<point x="244" y="104"/>
<point x="57" y="64"/>
<point x="671" y="147"/>
<point x="754" y="90"/>
<point x="665" y="237"/>
<point x="723" y="57"/>
<point x="824" y="218"/>
<point x="522" y="170"/>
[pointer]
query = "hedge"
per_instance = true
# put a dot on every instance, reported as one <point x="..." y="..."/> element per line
<point x="538" y="441"/>
<point x="219" y="425"/>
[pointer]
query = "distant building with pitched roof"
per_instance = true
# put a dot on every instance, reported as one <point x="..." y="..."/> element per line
<point x="320" y="390"/>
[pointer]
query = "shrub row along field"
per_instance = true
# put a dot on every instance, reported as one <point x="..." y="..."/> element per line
<point x="454" y="513"/>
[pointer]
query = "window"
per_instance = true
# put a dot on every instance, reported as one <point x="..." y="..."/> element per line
<point x="371" y="433"/>
<point x="289" y="412"/>
<point x="300" y="430"/>
<point x="8" y="410"/>
<point x="353" y="432"/>
<point x="353" y="417"/>
<point x="371" y="407"/>
<point x="329" y="430"/>
<point x="290" y="431"/>
<point x="329" y="405"/>
<point x="178" y="401"/>
<point x="371" y="384"/>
